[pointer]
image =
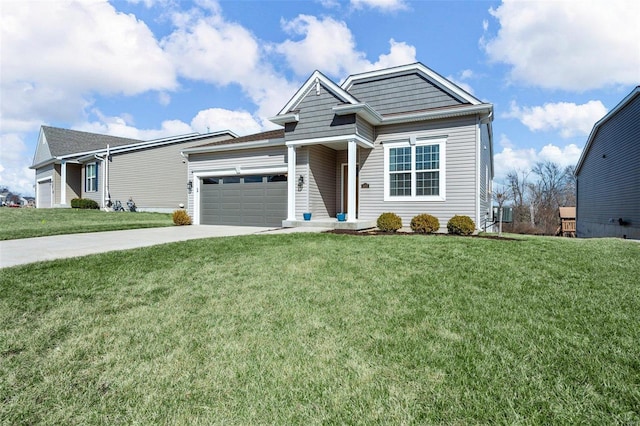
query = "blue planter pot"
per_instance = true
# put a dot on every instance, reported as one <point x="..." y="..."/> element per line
<point x="341" y="217"/>
<point x="306" y="216"/>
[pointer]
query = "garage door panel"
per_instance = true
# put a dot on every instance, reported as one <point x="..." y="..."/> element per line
<point x="252" y="203"/>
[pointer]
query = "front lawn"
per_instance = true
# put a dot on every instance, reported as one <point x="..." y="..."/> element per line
<point x="27" y="223"/>
<point x="323" y="328"/>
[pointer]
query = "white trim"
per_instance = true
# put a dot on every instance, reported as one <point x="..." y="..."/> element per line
<point x="63" y="183"/>
<point x="198" y="175"/>
<point x="351" y="182"/>
<point x="291" y="183"/>
<point x="405" y="141"/>
<point x="478" y="174"/>
<point x="38" y="182"/>
<point x="431" y="75"/>
<point x="311" y="81"/>
<point x="283" y="119"/>
<point x="332" y="139"/>
<point x="373" y="117"/>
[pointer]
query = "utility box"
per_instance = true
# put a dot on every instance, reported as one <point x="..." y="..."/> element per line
<point x="507" y="214"/>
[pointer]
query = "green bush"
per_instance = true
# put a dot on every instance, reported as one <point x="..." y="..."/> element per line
<point x="181" y="217"/>
<point x="84" y="203"/>
<point x="389" y="222"/>
<point x="425" y="224"/>
<point x="461" y="225"/>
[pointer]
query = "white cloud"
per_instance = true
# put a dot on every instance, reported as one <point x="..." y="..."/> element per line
<point x="329" y="46"/>
<point x="569" y="45"/>
<point x="206" y="47"/>
<point x="14" y="164"/>
<point x="213" y="119"/>
<point x="56" y="54"/>
<point x="384" y="5"/>
<point x="513" y="158"/>
<point x="566" y="117"/>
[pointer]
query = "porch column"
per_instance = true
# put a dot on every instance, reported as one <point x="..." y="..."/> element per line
<point x="291" y="183"/>
<point x="351" y="182"/>
<point x="63" y="183"/>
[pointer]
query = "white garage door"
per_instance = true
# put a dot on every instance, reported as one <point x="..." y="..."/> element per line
<point x="44" y="195"/>
<point x="256" y="200"/>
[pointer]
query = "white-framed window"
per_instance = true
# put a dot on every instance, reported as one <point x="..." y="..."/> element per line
<point x="91" y="184"/>
<point x="415" y="169"/>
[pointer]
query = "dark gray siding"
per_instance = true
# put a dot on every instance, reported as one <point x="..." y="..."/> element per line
<point x="609" y="179"/>
<point x="401" y="93"/>
<point x="317" y="120"/>
<point x="322" y="167"/>
<point x="365" y="129"/>
<point x="461" y="173"/>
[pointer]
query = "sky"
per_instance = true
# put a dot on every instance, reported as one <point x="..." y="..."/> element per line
<point x="147" y="69"/>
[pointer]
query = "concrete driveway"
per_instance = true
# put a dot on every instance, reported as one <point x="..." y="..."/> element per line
<point x="28" y="250"/>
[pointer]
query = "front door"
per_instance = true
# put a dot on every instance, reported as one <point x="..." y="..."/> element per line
<point x="345" y="188"/>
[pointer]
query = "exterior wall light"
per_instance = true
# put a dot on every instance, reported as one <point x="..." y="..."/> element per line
<point x="189" y="186"/>
<point x="300" y="182"/>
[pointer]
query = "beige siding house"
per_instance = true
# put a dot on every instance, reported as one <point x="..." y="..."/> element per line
<point x="73" y="164"/>
<point x="403" y="140"/>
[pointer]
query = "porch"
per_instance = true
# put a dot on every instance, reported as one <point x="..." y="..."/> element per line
<point x="331" y="222"/>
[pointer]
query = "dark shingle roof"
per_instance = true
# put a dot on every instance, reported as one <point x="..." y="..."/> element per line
<point x="65" y="142"/>
<point x="271" y="134"/>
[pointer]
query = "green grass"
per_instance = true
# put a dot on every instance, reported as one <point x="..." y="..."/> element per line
<point x="27" y="223"/>
<point x="326" y="329"/>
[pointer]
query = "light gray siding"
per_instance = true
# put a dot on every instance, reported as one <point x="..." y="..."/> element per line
<point x="461" y="173"/>
<point x="74" y="182"/>
<point x="322" y="165"/>
<point x="96" y="196"/>
<point x="43" y="152"/>
<point x="401" y="93"/>
<point x="317" y="120"/>
<point x="155" y="178"/>
<point x="303" y="198"/>
<point x="227" y="161"/>
<point x="609" y="179"/>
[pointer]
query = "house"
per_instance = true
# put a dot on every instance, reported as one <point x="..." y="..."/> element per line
<point x="608" y="174"/>
<point x="567" y="221"/>
<point x="403" y="140"/>
<point x="73" y="164"/>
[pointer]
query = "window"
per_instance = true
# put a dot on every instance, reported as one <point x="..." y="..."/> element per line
<point x="414" y="169"/>
<point x="91" y="171"/>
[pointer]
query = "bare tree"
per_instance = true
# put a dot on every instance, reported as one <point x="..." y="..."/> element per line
<point x="518" y="184"/>
<point x="500" y="196"/>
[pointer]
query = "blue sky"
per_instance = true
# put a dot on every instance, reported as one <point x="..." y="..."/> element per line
<point x="152" y="68"/>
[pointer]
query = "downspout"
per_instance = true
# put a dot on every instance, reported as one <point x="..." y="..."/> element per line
<point x="102" y="206"/>
<point x="106" y="180"/>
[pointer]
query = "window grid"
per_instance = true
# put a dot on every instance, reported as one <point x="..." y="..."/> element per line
<point x="414" y="170"/>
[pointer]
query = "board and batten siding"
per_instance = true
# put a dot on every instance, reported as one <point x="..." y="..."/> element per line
<point x="43" y="153"/>
<point x="227" y="161"/>
<point x="401" y="93"/>
<point x="609" y="179"/>
<point x="461" y="173"/>
<point x="317" y="120"/>
<point x="322" y="183"/>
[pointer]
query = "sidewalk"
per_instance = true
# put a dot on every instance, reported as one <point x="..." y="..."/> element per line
<point x="28" y="250"/>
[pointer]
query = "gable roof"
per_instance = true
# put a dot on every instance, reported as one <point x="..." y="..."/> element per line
<point x="596" y="127"/>
<point x="64" y="142"/>
<point x="315" y="79"/>
<point x="78" y="145"/>
<point x="446" y="85"/>
<point x="351" y="105"/>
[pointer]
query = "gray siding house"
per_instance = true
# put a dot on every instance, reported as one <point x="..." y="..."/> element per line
<point x="608" y="174"/>
<point x="403" y="140"/>
<point x="73" y="164"/>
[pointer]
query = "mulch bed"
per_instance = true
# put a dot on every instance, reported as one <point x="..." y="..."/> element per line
<point x="377" y="232"/>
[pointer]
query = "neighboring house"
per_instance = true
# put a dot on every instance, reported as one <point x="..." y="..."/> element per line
<point x="73" y="164"/>
<point x="608" y="174"/>
<point x="403" y="140"/>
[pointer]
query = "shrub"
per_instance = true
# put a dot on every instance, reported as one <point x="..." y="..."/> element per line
<point x="84" y="203"/>
<point x="181" y="217"/>
<point x="389" y="222"/>
<point x="461" y="225"/>
<point x="425" y="224"/>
